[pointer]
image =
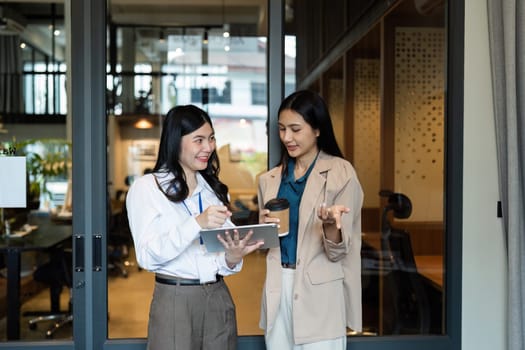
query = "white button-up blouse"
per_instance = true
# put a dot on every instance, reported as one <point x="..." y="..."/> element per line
<point x="166" y="234"/>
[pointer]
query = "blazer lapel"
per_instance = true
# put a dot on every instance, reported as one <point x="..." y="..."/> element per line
<point x="313" y="194"/>
<point x="272" y="184"/>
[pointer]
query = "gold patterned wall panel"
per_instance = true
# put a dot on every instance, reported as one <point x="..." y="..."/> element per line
<point x="419" y="119"/>
<point x="366" y="128"/>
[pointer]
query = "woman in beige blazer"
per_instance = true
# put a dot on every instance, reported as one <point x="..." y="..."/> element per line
<point x="312" y="291"/>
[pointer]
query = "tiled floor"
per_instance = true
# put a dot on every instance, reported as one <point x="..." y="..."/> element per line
<point x="129" y="300"/>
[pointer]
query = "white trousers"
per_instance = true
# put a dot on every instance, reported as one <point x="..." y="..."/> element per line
<point x="280" y="337"/>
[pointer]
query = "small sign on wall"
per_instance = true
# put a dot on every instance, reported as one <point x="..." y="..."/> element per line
<point x="13" y="185"/>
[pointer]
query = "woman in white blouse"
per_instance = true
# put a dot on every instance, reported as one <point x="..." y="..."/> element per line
<point x="191" y="307"/>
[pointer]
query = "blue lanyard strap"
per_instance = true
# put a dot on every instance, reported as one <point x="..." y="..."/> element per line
<point x="200" y="205"/>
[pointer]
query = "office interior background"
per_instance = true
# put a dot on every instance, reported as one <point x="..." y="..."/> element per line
<point x="385" y="69"/>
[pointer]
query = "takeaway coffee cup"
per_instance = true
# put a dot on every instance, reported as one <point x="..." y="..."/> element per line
<point x="280" y="208"/>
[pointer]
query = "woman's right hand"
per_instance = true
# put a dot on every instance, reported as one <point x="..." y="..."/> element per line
<point x="214" y="216"/>
<point x="264" y="217"/>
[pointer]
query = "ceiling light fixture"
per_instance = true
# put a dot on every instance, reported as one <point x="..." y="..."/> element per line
<point x="143" y="123"/>
<point x="205" y="37"/>
<point x="225" y="26"/>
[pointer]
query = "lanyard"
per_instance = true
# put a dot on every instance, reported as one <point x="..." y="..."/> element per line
<point x="200" y="205"/>
<point x="189" y="211"/>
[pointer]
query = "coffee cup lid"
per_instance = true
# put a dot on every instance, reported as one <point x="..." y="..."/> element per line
<point x="277" y="204"/>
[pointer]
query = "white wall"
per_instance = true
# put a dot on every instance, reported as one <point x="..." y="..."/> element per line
<point x="484" y="257"/>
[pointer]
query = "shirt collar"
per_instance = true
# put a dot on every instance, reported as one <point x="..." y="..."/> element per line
<point x="290" y="176"/>
<point x="165" y="178"/>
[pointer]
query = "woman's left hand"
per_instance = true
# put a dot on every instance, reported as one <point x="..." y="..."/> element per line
<point x="333" y="214"/>
<point x="236" y="248"/>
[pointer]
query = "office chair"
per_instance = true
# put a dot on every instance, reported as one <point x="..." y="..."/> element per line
<point x="405" y="295"/>
<point x="119" y="241"/>
<point x="56" y="273"/>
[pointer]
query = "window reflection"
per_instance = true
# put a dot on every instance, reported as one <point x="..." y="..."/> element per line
<point x="386" y="94"/>
<point x="398" y="152"/>
<point x="389" y="100"/>
<point x="388" y="105"/>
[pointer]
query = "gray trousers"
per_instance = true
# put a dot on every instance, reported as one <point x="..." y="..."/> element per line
<point x="192" y="318"/>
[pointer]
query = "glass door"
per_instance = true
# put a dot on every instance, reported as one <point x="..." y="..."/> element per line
<point x="86" y="113"/>
<point x="159" y="57"/>
<point x="36" y="279"/>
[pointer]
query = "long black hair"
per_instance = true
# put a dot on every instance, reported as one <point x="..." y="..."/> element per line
<point x="313" y="109"/>
<point x="180" y="121"/>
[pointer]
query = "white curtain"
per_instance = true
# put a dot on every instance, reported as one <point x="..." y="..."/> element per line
<point x="507" y="50"/>
<point x="11" y="94"/>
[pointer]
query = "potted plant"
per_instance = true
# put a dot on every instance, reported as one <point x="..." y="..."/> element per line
<point x="46" y="159"/>
<point x="35" y="178"/>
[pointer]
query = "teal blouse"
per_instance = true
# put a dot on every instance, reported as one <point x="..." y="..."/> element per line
<point x="292" y="190"/>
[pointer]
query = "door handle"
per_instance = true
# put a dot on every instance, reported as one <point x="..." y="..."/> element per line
<point x="79" y="253"/>
<point x="97" y="252"/>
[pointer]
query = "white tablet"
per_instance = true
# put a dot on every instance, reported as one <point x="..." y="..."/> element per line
<point x="265" y="232"/>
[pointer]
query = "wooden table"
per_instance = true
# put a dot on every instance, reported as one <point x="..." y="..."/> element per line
<point x="46" y="236"/>
<point x="429" y="266"/>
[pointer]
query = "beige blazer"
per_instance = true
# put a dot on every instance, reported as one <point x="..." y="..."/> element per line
<point x="327" y="286"/>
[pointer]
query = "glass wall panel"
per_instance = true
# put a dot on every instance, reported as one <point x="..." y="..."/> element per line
<point x="385" y="90"/>
<point x="34" y="73"/>
<point x="386" y="96"/>
<point x="160" y="57"/>
<point x="35" y="235"/>
<point x="398" y="141"/>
